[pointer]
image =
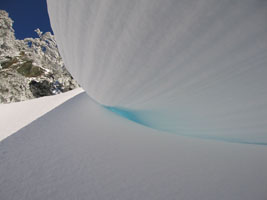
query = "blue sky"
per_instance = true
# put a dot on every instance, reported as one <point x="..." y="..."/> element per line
<point x="27" y="16"/>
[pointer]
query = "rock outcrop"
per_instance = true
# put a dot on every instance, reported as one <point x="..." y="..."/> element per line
<point x="31" y="67"/>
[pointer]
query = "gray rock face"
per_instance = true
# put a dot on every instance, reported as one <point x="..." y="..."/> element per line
<point x="31" y="67"/>
<point x="42" y="88"/>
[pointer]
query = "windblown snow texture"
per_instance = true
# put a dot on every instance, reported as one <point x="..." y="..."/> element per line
<point x="82" y="151"/>
<point x="195" y="68"/>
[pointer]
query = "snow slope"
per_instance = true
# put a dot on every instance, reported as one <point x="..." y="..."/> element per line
<point x="14" y="116"/>
<point x="81" y="150"/>
<point x="195" y="67"/>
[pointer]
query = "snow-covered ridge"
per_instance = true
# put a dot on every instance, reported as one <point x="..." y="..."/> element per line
<point x="14" y="116"/>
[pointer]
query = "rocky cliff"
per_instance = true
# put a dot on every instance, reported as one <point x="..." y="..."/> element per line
<point x="31" y="67"/>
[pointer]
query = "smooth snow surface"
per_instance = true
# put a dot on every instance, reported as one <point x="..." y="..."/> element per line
<point x="81" y="150"/>
<point x="14" y="116"/>
<point x="190" y="67"/>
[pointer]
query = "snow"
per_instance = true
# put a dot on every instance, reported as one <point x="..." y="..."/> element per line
<point x="192" y="67"/>
<point x="81" y="150"/>
<point x="14" y="116"/>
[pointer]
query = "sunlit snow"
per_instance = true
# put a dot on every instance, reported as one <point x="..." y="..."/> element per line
<point x="195" y="68"/>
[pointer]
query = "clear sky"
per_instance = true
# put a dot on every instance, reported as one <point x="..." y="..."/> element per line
<point x="27" y="15"/>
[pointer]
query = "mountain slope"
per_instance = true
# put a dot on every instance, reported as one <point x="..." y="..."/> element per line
<point x="31" y="67"/>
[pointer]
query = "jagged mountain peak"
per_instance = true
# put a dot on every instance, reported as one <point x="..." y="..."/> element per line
<point x="31" y="67"/>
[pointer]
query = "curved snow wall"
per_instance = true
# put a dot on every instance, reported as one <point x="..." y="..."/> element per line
<point x="194" y="67"/>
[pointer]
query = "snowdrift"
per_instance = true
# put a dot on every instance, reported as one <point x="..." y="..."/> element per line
<point x="152" y="69"/>
<point x="80" y="150"/>
<point x="15" y="116"/>
<point x="195" y="68"/>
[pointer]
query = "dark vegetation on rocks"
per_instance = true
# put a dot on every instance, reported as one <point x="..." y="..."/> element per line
<point x="30" y="68"/>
